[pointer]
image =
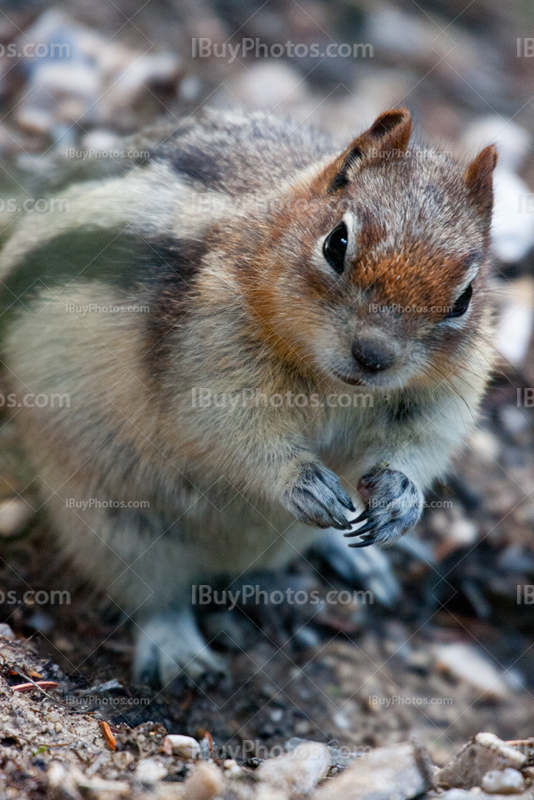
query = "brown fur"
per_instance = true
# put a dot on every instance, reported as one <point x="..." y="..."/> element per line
<point x="232" y="214"/>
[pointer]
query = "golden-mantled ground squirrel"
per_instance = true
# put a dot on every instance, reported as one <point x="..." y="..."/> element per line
<point x="250" y="327"/>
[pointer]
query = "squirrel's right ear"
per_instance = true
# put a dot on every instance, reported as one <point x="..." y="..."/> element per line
<point x="478" y="178"/>
<point x="386" y="139"/>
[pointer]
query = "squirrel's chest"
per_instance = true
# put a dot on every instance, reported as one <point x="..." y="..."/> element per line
<point x="344" y="435"/>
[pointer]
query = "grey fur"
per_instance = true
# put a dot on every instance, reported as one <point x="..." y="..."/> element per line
<point x="230" y="486"/>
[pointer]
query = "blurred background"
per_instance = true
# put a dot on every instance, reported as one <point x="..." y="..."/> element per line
<point x="453" y="616"/>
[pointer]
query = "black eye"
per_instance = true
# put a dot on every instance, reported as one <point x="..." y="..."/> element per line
<point x="462" y="304"/>
<point x="335" y="247"/>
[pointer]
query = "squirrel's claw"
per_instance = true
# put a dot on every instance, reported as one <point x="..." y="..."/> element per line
<point x="369" y="526"/>
<point x="361" y="518"/>
<point x="395" y="505"/>
<point x="367" y="539"/>
<point x="317" y="498"/>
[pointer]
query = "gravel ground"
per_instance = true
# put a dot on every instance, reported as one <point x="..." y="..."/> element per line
<point x="445" y="651"/>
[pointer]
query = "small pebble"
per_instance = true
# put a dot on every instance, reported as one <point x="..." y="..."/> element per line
<point x="513" y="756"/>
<point x="150" y="771"/>
<point x="205" y="783"/>
<point x="232" y="768"/>
<point x="516" y="320"/>
<point x="297" y="772"/>
<point x="503" y="781"/>
<point x="467" y="663"/>
<point x="485" y="444"/>
<point x="14" y="516"/>
<point x="512" y="229"/>
<point x="6" y="631"/>
<point x="514" y="420"/>
<point x="302" y="727"/>
<point x="512" y="140"/>
<point x="184" y="746"/>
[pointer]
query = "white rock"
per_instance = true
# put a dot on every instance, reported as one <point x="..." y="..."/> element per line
<point x="15" y="514"/>
<point x="466" y="662"/>
<point x="65" y="779"/>
<point x="342" y="721"/>
<point x="205" y="783"/>
<point x="6" y="631"/>
<point x="514" y="419"/>
<point x="387" y="773"/>
<point x="485" y="444"/>
<point x="383" y="26"/>
<point x="98" y="80"/>
<point x="129" y="87"/>
<point x="298" y="772"/>
<point x="270" y="84"/>
<point x="100" y="140"/>
<point x="460" y="531"/>
<point x="232" y="768"/>
<point x="268" y="793"/>
<point x="150" y="770"/>
<point x="485" y="753"/>
<point x="513" y="141"/>
<point x="516" y="320"/>
<point x="503" y="781"/>
<point x="512" y="228"/>
<point x="510" y="756"/>
<point x="184" y="746"/>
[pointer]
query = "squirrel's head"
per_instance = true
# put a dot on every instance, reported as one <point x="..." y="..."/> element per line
<point x="374" y="270"/>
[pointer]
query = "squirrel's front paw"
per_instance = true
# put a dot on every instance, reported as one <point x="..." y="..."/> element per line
<point x="316" y="497"/>
<point x="395" y="504"/>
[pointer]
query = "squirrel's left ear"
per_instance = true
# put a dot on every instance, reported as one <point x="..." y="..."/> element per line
<point x="386" y="139"/>
<point x="478" y="178"/>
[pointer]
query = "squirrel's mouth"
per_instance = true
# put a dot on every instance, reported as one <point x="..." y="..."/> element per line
<point x="368" y="382"/>
<point x="352" y="380"/>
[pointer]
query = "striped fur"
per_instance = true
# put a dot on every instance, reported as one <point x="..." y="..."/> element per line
<point x="217" y="236"/>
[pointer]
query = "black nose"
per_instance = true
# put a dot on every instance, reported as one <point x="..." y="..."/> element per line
<point x="373" y="355"/>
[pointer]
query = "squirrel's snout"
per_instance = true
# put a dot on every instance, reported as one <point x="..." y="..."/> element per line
<point x="373" y="355"/>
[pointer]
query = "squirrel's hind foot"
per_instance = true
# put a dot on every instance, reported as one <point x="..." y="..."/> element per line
<point x="171" y="651"/>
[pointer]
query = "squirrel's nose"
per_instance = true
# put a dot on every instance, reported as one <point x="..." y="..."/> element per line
<point x="373" y="355"/>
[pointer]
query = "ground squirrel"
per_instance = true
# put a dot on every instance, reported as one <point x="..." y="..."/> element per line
<point x="254" y="330"/>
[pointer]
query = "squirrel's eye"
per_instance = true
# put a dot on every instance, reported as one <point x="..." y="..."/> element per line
<point x="462" y="304"/>
<point x="335" y="246"/>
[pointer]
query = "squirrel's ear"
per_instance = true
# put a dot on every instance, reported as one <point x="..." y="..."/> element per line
<point x="478" y="178"/>
<point x="386" y="139"/>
